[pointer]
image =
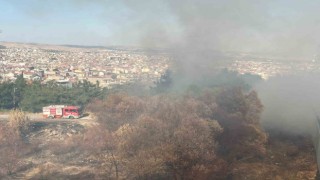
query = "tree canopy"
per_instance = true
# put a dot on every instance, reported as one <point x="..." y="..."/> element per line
<point x="33" y="96"/>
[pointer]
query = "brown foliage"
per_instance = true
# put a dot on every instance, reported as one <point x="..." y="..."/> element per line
<point x="177" y="137"/>
<point x="213" y="135"/>
<point x="101" y="144"/>
<point x="11" y="148"/>
<point x="158" y="136"/>
<point x="117" y="110"/>
<point x="239" y="115"/>
<point x="13" y="143"/>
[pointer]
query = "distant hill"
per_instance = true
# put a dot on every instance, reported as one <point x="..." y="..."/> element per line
<point x="120" y="48"/>
<point x="131" y="49"/>
<point x="81" y="46"/>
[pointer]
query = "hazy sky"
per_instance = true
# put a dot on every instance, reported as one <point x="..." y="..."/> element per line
<point x="277" y="26"/>
<point x="73" y="22"/>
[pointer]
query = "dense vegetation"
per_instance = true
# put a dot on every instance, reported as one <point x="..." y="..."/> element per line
<point x="167" y="136"/>
<point x="34" y="95"/>
<point x="209" y="132"/>
<point x="193" y="136"/>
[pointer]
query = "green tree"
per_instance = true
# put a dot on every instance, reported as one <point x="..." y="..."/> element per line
<point x="19" y="88"/>
<point x="37" y="95"/>
<point x="6" y="95"/>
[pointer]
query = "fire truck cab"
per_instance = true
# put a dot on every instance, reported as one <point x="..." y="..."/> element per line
<point x="61" y="111"/>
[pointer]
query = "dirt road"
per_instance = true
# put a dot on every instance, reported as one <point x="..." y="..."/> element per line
<point x="39" y="118"/>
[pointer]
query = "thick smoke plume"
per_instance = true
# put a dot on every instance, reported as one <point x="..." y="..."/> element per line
<point x="292" y="103"/>
<point x="230" y="25"/>
<point x="200" y="33"/>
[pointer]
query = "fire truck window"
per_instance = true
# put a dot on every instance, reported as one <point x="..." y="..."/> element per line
<point x="67" y="110"/>
<point x="73" y="110"/>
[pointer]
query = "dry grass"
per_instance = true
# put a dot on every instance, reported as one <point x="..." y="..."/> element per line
<point x="288" y="157"/>
<point x="52" y="171"/>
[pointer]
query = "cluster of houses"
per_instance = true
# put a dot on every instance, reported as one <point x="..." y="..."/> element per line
<point x="68" y="65"/>
<point x="269" y="68"/>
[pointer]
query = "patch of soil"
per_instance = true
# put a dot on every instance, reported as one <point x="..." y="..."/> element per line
<point x="46" y="132"/>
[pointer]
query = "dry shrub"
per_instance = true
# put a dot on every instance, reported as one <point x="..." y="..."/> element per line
<point x="176" y="137"/>
<point x="95" y="139"/>
<point x="117" y="110"/>
<point x="172" y="138"/>
<point x="102" y="147"/>
<point x="12" y="147"/>
<point x="152" y="137"/>
<point x="253" y="171"/>
<point x="239" y="115"/>
<point x="19" y="122"/>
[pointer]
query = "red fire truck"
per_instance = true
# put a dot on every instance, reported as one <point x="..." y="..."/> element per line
<point x="61" y="111"/>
